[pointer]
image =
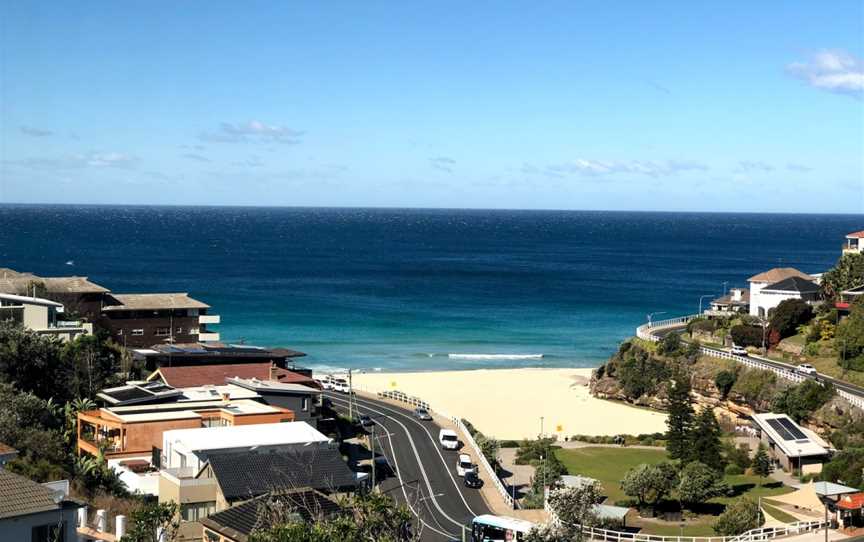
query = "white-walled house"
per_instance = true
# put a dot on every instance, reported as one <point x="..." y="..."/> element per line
<point x="41" y="315"/>
<point x="854" y="243"/>
<point x="768" y="289"/>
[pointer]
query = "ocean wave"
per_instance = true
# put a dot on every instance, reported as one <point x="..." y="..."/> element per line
<point x="495" y="356"/>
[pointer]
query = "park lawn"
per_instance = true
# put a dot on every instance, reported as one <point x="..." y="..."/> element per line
<point x="608" y="465"/>
<point x="746" y="485"/>
<point x="701" y="526"/>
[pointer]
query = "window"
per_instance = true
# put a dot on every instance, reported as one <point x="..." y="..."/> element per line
<point x="197" y="510"/>
<point x="137" y="332"/>
<point x="120" y="332"/>
<point x="163" y="331"/>
<point x="53" y="532"/>
<point x="211" y="536"/>
<point x="179" y="331"/>
<point x="305" y="404"/>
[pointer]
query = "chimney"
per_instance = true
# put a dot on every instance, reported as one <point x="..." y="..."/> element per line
<point x="82" y="516"/>
<point x="101" y="520"/>
<point x="119" y="527"/>
<point x="272" y="372"/>
<point x="736" y="294"/>
<point x="226" y="396"/>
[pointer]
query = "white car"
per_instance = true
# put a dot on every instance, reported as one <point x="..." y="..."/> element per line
<point x="340" y="385"/>
<point x="464" y="464"/>
<point x="448" y="439"/>
<point x="806" y="369"/>
<point x="738" y="350"/>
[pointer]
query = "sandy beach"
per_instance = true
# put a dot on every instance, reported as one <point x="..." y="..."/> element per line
<point x="508" y="403"/>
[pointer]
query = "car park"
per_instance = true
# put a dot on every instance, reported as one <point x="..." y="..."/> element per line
<point x="464" y="464"/>
<point x="422" y="414"/>
<point x="472" y="480"/>
<point x="447" y="439"/>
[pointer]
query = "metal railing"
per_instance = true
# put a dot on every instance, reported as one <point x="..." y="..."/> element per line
<point x="404" y="398"/>
<point x="645" y="332"/>
<point x="762" y="533"/>
<point x="484" y="463"/>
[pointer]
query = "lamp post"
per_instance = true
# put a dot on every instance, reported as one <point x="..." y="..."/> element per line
<point x="725" y="283"/>
<point x="650" y="316"/>
<point x="541" y="427"/>
<point x="700" y="301"/>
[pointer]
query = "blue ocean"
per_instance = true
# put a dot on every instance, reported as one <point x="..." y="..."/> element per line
<point x="400" y="289"/>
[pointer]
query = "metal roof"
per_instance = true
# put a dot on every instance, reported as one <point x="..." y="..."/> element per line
<point x="792" y="439"/>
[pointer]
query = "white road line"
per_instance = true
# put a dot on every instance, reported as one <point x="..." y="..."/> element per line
<point x="437" y="449"/>
<point x="419" y="464"/>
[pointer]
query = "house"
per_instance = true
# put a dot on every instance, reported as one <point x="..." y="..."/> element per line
<point x="31" y="512"/>
<point x="303" y="401"/>
<point x="122" y="431"/>
<point x="235" y="524"/>
<point x="854" y="243"/>
<point x="228" y="479"/>
<point x="737" y="301"/>
<point x="138" y="320"/>
<point x="847" y="297"/>
<point x="768" y="289"/>
<point x="191" y="448"/>
<point x="792" y="447"/>
<point x="850" y="510"/>
<point x="215" y="353"/>
<point x="43" y="316"/>
<point x="78" y="295"/>
<point x="202" y="375"/>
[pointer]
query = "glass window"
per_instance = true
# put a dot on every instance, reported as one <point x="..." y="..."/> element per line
<point x="163" y="331"/>
<point x="305" y="404"/>
<point x="197" y="510"/>
<point x="138" y="332"/>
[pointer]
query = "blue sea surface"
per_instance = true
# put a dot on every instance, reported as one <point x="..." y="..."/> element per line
<point x="400" y="289"/>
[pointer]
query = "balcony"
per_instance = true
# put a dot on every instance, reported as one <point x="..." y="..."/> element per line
<point x="852" y="249"/>
<point x="208" y="319"/>
<point x="208" y="336"/>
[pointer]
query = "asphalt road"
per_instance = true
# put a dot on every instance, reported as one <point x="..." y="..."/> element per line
<point x="424" y="474"/>
<point x="845" y="386"/>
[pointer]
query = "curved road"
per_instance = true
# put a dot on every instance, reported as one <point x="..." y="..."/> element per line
<point x="425" y="475"/>
<point x="838" y="384"/>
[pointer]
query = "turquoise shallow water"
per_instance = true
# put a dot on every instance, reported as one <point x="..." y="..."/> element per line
<point x="421" y="289"/>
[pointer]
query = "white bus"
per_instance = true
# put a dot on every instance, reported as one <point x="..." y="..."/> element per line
<point x="489" y="528"/>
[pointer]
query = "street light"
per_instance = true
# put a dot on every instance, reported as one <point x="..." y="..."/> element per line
<point x="700" y="301"/>
<point x="650" y="316"/>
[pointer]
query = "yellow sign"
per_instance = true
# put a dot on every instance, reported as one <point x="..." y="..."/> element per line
<point x="392" y="383"/>
<point x="559" y="428"/>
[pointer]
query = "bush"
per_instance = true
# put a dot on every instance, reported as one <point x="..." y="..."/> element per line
<point x="739" y="517"/>
<point x="800" y="401"/>
<point x="670" y="345"/>
<point x="746" y="335"/>
<point x="724" y="382"/>
<point x="790" y="314"/>
<point x="755" y="385"/>
<point x="733" y="469"/>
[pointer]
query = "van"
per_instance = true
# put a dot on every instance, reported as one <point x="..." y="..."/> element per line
<point x="464" y="465"/>
<point x="448" y="439"/>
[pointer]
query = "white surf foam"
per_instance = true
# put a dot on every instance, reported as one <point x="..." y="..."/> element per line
<point x="495" y="356"/>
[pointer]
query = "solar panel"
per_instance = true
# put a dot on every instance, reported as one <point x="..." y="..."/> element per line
<point x="778" y="427"/>
<point x="793" y="429"/>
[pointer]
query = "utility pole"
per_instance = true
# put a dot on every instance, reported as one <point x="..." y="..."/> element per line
<point x="541" y="426"/>
<point x="372" y="446"/>
<point x="350" y="397"/>
<point x="725" y="283"/>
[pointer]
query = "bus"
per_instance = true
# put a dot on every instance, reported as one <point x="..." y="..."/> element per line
<point x="489" y="528"/>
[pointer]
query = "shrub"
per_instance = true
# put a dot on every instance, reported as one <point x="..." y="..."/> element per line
<point x="724" y="382"/>
<point x="755" y="385"/>
<point x="790" y="314"/>
<point x="800" y="401"/>
<point x="733" y="469"/>
<point x="739" y="517"/>
<point x="746" y="335"/>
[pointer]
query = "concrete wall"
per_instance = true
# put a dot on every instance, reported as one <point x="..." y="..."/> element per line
<point x="142" y="437"/>
<point x="293" y="403"/>
<point x="20" y="529"/>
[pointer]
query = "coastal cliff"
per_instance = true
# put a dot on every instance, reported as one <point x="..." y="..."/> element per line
<point x="638" y="374"/>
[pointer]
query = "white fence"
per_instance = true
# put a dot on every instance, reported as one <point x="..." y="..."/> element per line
<point x="646" y="332"/>
<point x="466" y="437"/>
<point x="762" y="533"/>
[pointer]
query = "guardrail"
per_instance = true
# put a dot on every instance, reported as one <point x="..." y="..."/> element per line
<point x="467" y="438"/>
<point x="645" y="332"/>
<point x="754" y="535"/>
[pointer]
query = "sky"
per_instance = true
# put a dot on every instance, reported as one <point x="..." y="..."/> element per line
<point x="705" y="106"/>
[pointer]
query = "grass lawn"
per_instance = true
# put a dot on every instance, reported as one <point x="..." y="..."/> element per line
<point x="608" y="466"/>
<point x="778" y="514"/>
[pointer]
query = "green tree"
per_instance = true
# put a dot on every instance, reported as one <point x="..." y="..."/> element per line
<point x="697" y="483"/>
<point x="91" y="363"/>
<point x="739" y="517"/>
<point x="33" y="427"/>
<point x="489" y="448"/>
<point x="849" y="338"/>
<point x="790" y="314"/>
<point x="680" y="419"/>
<point x="548" y="470"/>
<point x="574" y="507"/>
<point x="846" y="466"/>
<point x="848" y="273"/>
<point x="26" y="360"/>
<point x="724" y="380"/>
<point x="746" y="335"/>
<point x="802" y="400"/>
<point x="670" y="345"/>
<point x="649" y="484"/>
<point x="705" y="442"/>
<point x="152" y="519"/>
<point x="762" y="466"/>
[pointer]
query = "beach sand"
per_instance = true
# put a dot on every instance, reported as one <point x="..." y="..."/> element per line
<point x="508" y="403"/>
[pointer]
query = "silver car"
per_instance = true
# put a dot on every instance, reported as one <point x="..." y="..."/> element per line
<point x="422" y="414"/>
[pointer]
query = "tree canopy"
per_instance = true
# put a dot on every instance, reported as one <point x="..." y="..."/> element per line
<point x="848" y="273"/>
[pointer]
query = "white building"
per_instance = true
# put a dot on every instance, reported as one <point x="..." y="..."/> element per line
<point x="190" y="448"/>
<point x="768" y="289"/>
<point x="41" y="315"/>
<point x="793" y="447"/>
<point x="854" y="243"/>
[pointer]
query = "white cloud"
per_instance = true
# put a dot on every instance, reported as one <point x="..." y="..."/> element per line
<point x="195" y="157"/>
<point x="798" y="168"/>
<point x="590" y="168"/>
<point x="747" y="166"/>
<point x="443" y="163"/>
<point x="79" y="161"/>
<point x="836" y="71"/>
<point x="35" y="132"/>
<point x="252" y="131"/>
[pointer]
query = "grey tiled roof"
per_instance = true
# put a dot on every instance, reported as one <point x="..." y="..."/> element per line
<point x="245" y="475"/>
<point x="238" y="522"/>
<point x="793" y="284"/>
<point x="20" y="496"/>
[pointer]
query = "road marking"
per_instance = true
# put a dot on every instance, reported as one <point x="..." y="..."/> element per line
<point x="437" y="449"/>
<point x="419" y="464"/>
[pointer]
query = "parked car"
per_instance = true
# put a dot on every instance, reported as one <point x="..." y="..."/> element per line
<point x="448" y="439"/>
<point x="340" y="385"/>
<point x="366" y="421"/>
<point x="326" y="383"/>
<point x="806" y="369"/>
<point x="464" y="464"/>
<point x="472" y="480"/>
<point x="738" y="350"/>
<point x="422" y="414"/>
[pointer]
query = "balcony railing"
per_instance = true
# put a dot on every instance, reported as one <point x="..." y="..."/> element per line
<point x="208" y="319"/>
<point x="207" y="336"/>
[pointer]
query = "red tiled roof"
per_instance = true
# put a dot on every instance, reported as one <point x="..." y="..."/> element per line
<point x="854" y="501"/>
<point x="855" y="235"/>
<point x="204" y="375"/>
<point x="290" y="377"/>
